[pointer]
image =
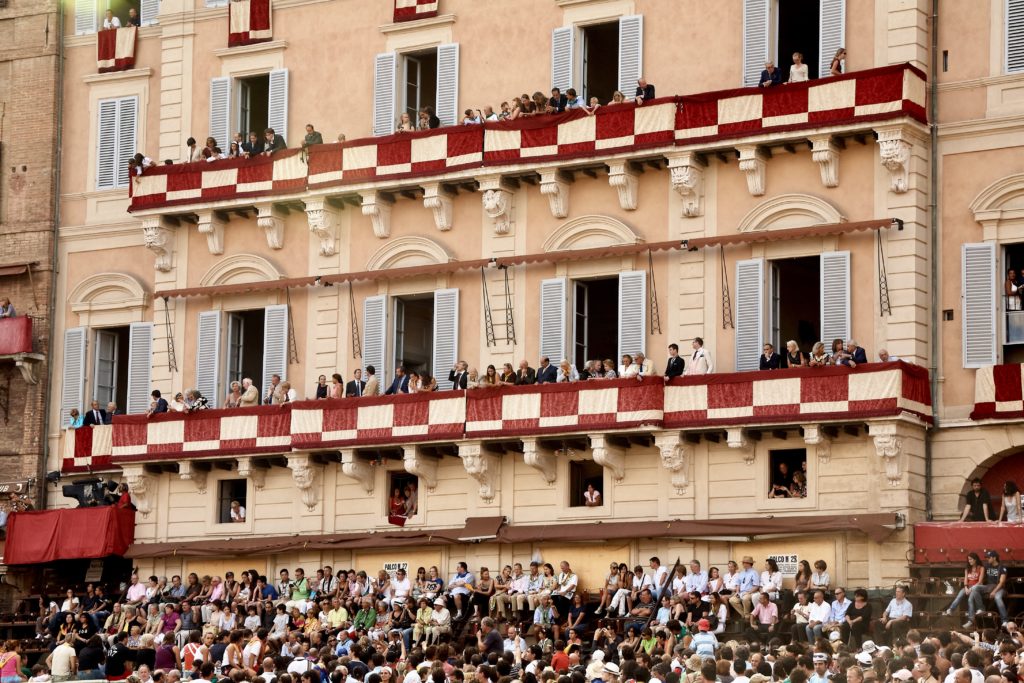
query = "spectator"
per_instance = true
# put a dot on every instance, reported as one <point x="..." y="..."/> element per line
<point x="854" y="356"/>
<point x="558" y="101"/>
<point x="628" y="369"/>
<point x="234" y="151"/>
<point x="506" y="112"/>
<point x="592" y="497"/>
<point x="508" y="376"/>
<point x="593" y="106"/>
<point x="471" y="118"/>
<point x="111" y="412"/>
<point x="6" y="308"/>
<point x="770" y="77"/>
<point x="312" y="136"/>
<point x="284" y="393"/>
<point x="237" y="512"/>
<point x="994" y="585"/>
<point x="798" y="70"/>
<point x="193" y="154"/>
<point x="356" y="387"/>
<point x="158" y="404"/>
<point x="215" y="155"/>
<point x="490" y="377"/>
<point x="110" y="21"/>
<point x="195" y="401"/>
<point x="747" y="584"/>
<point x="321" y="388"/>
<point x="817" y="617"/>
<point x="608" y="365"/>
<point x="885" y="357"/>
<point x="268" y="398"/>
<point x="399" y="385"/>
<point x="546" y="372"/>
<point x="644" y="91"/>
<point x="95" y="415"/>
<point x="458" y="375"/>
<point x="75" y="420"/>
<point x="795" y="358"/>
<point x="769" y="360"/>
<point x="573" y="100"/>
<point x="473" y="379"/>
<point x="617" y="98"/>
<point x="63" y="661"/>
<point x="977" y="504"/>
<point x="273" y="142"/>
<point x="700" y="360"/>
<point x="526" y="374"/>
<point x="250" y="394"/>
<point x="974" y="574"/>
<point x="372" y="384"/>
<point x="819" y="358"/>
<point x="404" y="124"/>
<point x="177" y="405"/>
<point x="858" y="617"/>
<point x="567" y="372"/>
<point x="488" y="113"/>
<point x="675" y="365"/>
<point x="836" y="67"/>
<point x="1010" y="510"/>
<point x="819" y="577"/>
<point x="764" y="619"/>
<point x="431" y="118"/>
<point x="895" y="621"/>
<point x="541" y="104"/>
<point x="253" y="147"/>
<point x="208" y="149"/>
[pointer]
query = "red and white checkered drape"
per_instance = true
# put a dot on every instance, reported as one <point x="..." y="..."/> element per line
<point x="249" y="21"/>
<point x="407" y="10"/>
<point x="115" y="49"/>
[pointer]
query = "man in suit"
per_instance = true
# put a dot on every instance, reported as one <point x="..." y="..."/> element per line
<point x="272" y="142"/>
<point x="770" y="77"/>
<point x="546" y="372"/>
<point x="254" y="146"/>
<point x="769" y="359"/>
<point x="159" y="404"/>
<point x="700" y="361"/>
<point x="372" y="387"/>
<point x="357" y="387"/>
<point x="675" y="365"/>
<point x="111" y="412"/>
<point x="526" y="374"/>
<point x="268" y="398"/>
<point x="645" y="364"/>
<point x="250" y="394"/>
<point x="855" y="355"/>
<point x="95" y="415"/>
<point x="558" y="101"/>
<point x="644" y="91"/>
<point x="458" y="375"/>
<point x="399" y="385"/>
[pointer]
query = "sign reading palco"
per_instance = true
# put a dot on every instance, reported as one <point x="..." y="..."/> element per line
<point x="787" y="563"/>
<point x="392" y="568"/>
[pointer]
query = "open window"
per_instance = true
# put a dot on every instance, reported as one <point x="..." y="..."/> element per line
<point x="249" y="104"/>
<point x="419" y="81"/>
<point x="229" y="490"/>
<point x="1010" y="303"/>
<point x="233" y="346"/>
<point x="110" y="366"/>
<point x="89" y="14"/>
<point x="595" y="320"/>
<point x="408" y="81"/>
<point x="795" y="308"/>
<point x="403" y="494"/>
<point x="253" y="100"/>
<point x="412" y="332"/>
<point x="244" y="345"/>
<point x="797" y="27"/>
<point x="775" y="29"/>
<point x="787" y="473"/>
<point x="586" y="481"/>
<point x="599" y="58"/>
<point x="600" y="61"/>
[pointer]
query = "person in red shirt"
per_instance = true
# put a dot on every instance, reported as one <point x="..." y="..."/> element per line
<point x="559" y="660"/>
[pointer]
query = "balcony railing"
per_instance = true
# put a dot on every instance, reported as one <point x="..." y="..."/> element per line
<point x="749" y="399"/>
<point x="999" y="392"/>
<point x="940" y="542"/>
<point x="855" y="99"/>
<point x="115" y="49"/>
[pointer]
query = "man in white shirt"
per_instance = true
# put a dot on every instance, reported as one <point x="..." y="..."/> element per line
<point x="63" y="662"/>
<point x="110" y="21"/>
<point x="696" y="580"/>
<point x="820" y="673"/>
<point x="730" y="579"/>
<point x="513" y="640"/>
<point x="440" y="622"/>
<point x="817" y="617"/>
<point x="895" y="621"/>
<point x="839" y="607"/>
<point x="700" y="361"/>
<point x="644" y="365"/>
<point x="401" y="587"/>
<point x="136" y="592"/>
<point x="660" y="578"/>
<point x="565" y="590"/>
<point x="237" y="512"/>
<point x="269" y="673"/>
<point x="516" y="595"/>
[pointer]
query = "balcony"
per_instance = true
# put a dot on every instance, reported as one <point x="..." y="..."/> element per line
<point x="16" y="348"/>
<point x="369" y="171"/>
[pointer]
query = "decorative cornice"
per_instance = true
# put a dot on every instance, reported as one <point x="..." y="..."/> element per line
<point x="322" y="219"/>
<point x="889" y="447"/>
<point x="687" y="177"/>
<point x="753" y="163"/>
<point x="894" y="153"/>
<point x="626" y="182"/>
<point x="128" y="75"/>
<point x="422" y="466"/>
<point x="540" y="458"/>
<point x="353" y="467"/>
<point x="482" y="466"/>
<point x="608" y="455"/>
<point x="554" y="184"/>
<point x="737" y="438"/>
<point x="815" y="436"/>
<point x="211" y="224"/>
<point x="158" y="237"/>
<point x="377" y="205"/>
<point x="139" y="481"/>
<point x="255" y="48"/>
<point x="305" y="474"/>
<point x="825" y="153"/>
<point x="271" y="219"/>
<point x="416" y="24"/>
<point x="248" y="469"/>
<point x="675" y="457"/>
<point x="192" y="471"/>
<point x="439" y="201"/>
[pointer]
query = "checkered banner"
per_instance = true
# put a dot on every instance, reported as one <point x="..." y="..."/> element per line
<point x="115" y="49"/>
<point x="998" y="392"/>
<point x="249" y="21"/>
<point x="407" y="10"/>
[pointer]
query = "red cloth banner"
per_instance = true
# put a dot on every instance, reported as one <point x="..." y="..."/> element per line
<point x="115" y="49"/>
<point x="80" y="533"/>
<point x="408" y="10"/>
<point x="936" y="542"/>
<point x="249" y="21"/>
<point x="998" y="393"/>
<point x="15" y="335"/>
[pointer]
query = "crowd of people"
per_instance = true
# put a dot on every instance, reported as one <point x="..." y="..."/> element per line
<point x="798" y="72"/>
<point x="849" y="354"/>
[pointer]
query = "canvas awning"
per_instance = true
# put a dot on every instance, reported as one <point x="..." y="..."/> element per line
<point x="72" y="534"/>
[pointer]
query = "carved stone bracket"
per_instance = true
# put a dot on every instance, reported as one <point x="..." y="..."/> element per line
<point x="197" y="474"/>
<point x="248" y="469"/>
<point x="211" y="224"/>
<point x="687" y="178"/>
<point x="159" y="239"/>
<point x="889" y="447"/>
<point x="322" y="219"/>
<point x="737" y="438"/>
<point x="554" y="184"/>
<point x="306" y="474"/>
<point x="608" y="455"/>
<point x="675" y="457"/>
<point x="439" y="201"/>
<point x="825" y="153"/>
<point x="377" y="205"/>
<point x="753" y="163"/>
<point x="355" y="468"/>
<point x="894" y="151"/>
<point x="498" y="205"/>
<point x="271" y="219"/>
<point x="815" y="436"/>
<point x="139" y="481"/>
<point x="540" y="458"/>
<point x="625" y="181"/>
<point x="422" y="466"/>
<point x="482" y="466"/>
<point x="28" y="365"/>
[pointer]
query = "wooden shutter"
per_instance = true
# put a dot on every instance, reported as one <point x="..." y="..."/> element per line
<point x="73" y="377"/>
<point x="208" y="356"/>
<point x="835" y="296"/>
<point x="979" y="303"/>
<point x="552" y="318"/>
<point x="831" y="33"/>
<point x="1014" y="36"/>
<point x="149" y="13"/>
<point x="277" y="103"/>
<point x="140" y="367"/>
<point x="384" y="93"/>
<point x="631" y="52"/>
<point x="755" y="40"/>
<point x="127" y="123"/>
<point x="220" y="111"/>
<point x="749" y="310"/>
<point x="86" y="17"/>
<point x="375" y="334"/>
<point x="562" y="50"/>
<point x="275" y="342"/>
<point x="632" y="312"/>
<point x="106" y="146"/>
<point x="446" y="334"/>
<point x="447" y="102"/>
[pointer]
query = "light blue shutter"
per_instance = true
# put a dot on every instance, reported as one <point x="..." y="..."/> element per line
<point x="632" y="312"/>
<point x="127" y="122"/>
<point x="749" y="313"/>
<point x="979" y="302"/>
<point x="220" y="111"/>
<point x="446" y="334"/>
<point x="562" y="50"/>
<point x="277" y="103"/>
<point x="208" y="356"/>
<point x="148" y="14"/>
<point x="631" y="52"/>
<point x="447" y="102"/>
<point x="106" y="145"/>
<point x="140" y="367"/>
<point x="552" y="319"/>
<point x="831" y="34"/>
<point x="73" y="377"/>
<point x="384" y="93"/>
<point x="275" y="343"/>
<point x="375" y="334"/>
<point x="835" y="296"/>
<point x="755" y="39"/>
<point x="86" y="17"/>
<point x="1014" y="36"/>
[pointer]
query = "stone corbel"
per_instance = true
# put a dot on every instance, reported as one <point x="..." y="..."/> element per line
<point x="815" y="436"/>
<point x="482" y="466"/>
<point x="422" y="466"/>
<point x="139" y="482"/>
<point x="271" y="219"/>
<point x="753" y="163"/>
<point x="355" y="468"/>
<point x="737" y="438"/>
<point x="497" y="199"/>
<point x="825" y="153"/>
<point x="608" y="455"/>
<point x="687" y="178"/>
<point x="195" y="473"/>
<point x="28" y="365"/>
<point x="625" y="180"/>
<point x="894" y="151"/>
<point x="889" y="447"/>
<point x="305" y="473"/>
<point x="554" y="184"/>
<point x="540" y="458"/>
<point x="323" y="221"/>
<point x="211" y="224"/>
<point x="377" y="205"/>
<point x="675" y="457"/>
<point x="248" y="469"/>
<point x="439" y="201"/>
<point x="159" y="239"/>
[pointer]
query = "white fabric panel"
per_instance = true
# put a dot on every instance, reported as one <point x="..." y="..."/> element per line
<point x="447" y="102"/>
<point x="384" y="66"/>
<point x="275" y="343"/>
<point x="632" y="312"/>
<point x="446" y="335"/>
<point x="749" y="313"/>
<point x="979" y="304"/>
<point x="552" y="318"/>
<point x="73" y="377"/>
<point x="835" y="296"/>
<point x="140" y="367"/>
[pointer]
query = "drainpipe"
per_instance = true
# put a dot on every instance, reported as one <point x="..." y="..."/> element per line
<point x="933" y="204"/>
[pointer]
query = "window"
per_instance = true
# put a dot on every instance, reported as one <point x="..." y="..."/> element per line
<point x="1014" y="36"/>
<point x="244" y="345"/>
<point x="250" y="104"/>
<point x="115" y="141"/>
<point x="797" y="31"/>
<point x="253" y="97"/>
<point x="419" y="81"/>
<point x="601" y="61"/>
<point x="595" y="320"/>
<point x="787" y="474"/>
<point x="403" y="494"/>
<point x="609" y="57"/>
<point x="414" y="80"/>
<point x="775" y="29"/>
<point x="795" y="311"/>
<point x="1013" y="267"/>
<point x="229" y="490"/>
<point x="110" y="379"/>
<point x="586" y="482"/>
<point x="254" y="345"/>
<point x="89" y="14"/>
<point x="413" y="321"/>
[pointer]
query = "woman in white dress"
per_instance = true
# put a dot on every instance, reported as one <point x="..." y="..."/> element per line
<point x="1011" y="511"/>
<point x="1012" y="291"/>
<point x="798" y="70"/>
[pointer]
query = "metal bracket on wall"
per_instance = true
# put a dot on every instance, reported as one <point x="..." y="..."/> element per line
<point x="293" y="349"/>
<point x="510" y="318"/>
<point x="653" y="290"/>
<point x="488" y="319"/>
<point x="172" y="360"/>
<point x="726" y="299"/>
<point x="884" y="304"/>
<point x="353" y="319"/>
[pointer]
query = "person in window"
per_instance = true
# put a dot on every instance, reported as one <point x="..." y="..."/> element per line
<point x="617" y="98"/>
<point x="237" y="512"/>
<point x="321" y="388"/>
<point x="977" y="504"/>
<point x="195" y="401"/>
<point x="216" y="154"/>
<point x="644" y="91"/>
<point x="794" y="356"/>
<point x="252" y="147"/>
<point x="411" y="499"/>
<point x="234" y="150"/>
<point x="273" y="142"/>
<point x="432" y="120"/>
<point x="472" y="118"/>
<point x="414" y="383"/>
<point x="6" y="308"/>
<point x="769" y="360"/>
<point x="133" y="17"/>
<point x="284" y="393"/>
<point x="573" y="100"/>
<point x="836" y="67"/>
<point x="312" y="136"/>
<point x="819" y="358"/>
<point x="770" y="77"/>
<point x="609" y="369"/>
<point x="798" y="489"/>
<point x="404" y="124"/>
<point x="473" y="379"/>
<point x="396" y="504"/>
<point x="567" y="372"/>
<point x="782" y="479"/>
<point x="75" y="420"/>
<point x="1011" y="507"/>
<point x="234" y="395"/>
<point x="208" y="149"/>
<point x="854" y="356"/>
<point x="700" y="359"/>
<point x="798" y="70"/>
<point x="110" y="21"/>
<point x="427" y="383"/>
<point x="591" y="497"/>
<point x="558" y="102"/>
<point x="158" y="404"/>
<point x="177" y="405"/>
<point x="546" y="372"/>
<point x="1012" y="290"/>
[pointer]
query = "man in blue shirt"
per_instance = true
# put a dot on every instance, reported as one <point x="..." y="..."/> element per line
<point x="895" y="621"/>
<point x="747" y="583"/>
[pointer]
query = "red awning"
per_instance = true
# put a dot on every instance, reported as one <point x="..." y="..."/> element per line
<point x="941" y="542"/>
<point x="79" y="533"/>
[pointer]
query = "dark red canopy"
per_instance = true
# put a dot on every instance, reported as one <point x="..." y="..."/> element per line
<point x="79" y="533"/>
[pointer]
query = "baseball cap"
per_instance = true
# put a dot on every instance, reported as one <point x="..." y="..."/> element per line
<point x="903" y="675"/>
<point x="864" y="658"/>
<point x="820" y="657"/>
<point x="704" y="625"/>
